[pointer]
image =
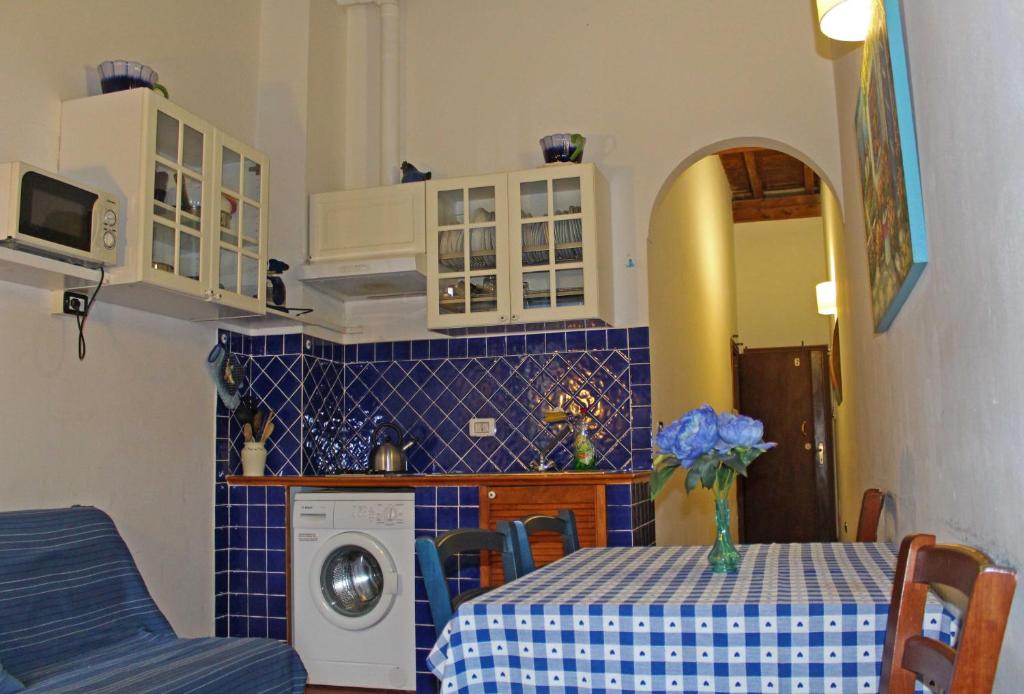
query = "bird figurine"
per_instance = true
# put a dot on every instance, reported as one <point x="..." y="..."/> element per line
<point x="410" y="174"/>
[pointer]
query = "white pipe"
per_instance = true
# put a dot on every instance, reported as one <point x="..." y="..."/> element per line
<point x="358" y="168"/>
<point x="389" y="91"/>
<point x="360" y="93"/>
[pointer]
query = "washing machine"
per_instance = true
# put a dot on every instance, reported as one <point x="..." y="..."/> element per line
<point x="352" y="587"/>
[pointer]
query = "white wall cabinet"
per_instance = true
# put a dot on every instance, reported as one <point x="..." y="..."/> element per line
<point x="524" y="247"/>
<point x="381" y="222"/>
<point x="467" y="252"/>
<point x="193" y="238"/>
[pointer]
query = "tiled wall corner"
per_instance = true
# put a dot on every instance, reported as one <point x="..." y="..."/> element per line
<point x="324" y="428"/>
<point x="250" y="564"/>
<point x="643" y="514"/>
<point x="273" y="368"/>
<point x="629" y="515"/>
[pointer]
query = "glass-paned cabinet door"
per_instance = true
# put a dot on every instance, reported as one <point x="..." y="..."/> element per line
<point x="239" y="264"/>
<point x="553" y="236"/>
<point x="179" y="171"/>
<point x="467" y="282"/>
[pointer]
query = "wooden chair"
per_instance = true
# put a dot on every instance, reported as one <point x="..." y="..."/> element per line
<point x="870" y="513"/>
<point x="970" y="668"/>
<point x="433" y="552"/>
<point x="564" y="524"/>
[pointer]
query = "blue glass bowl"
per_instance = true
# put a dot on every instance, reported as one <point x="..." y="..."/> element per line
<point x="559" y="147"/>
<point x="118" y="75"/>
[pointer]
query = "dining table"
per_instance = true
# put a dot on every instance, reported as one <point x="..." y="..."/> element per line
<point x="800" y="617"/>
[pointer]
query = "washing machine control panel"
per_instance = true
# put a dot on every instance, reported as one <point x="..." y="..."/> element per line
<point x="377" y="515"/>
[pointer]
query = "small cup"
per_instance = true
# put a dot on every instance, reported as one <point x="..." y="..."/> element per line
<point x="254" y="459"/>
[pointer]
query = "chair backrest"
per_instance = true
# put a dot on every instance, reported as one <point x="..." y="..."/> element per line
<point x="432" y="553"/>
<point x="564" y="524"/>
<point x="68" y="585"/>
<point x="870" y="513"/>
<point x="970" y="668"/>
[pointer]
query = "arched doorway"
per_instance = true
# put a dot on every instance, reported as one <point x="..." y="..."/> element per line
<point x="705" y="261"/>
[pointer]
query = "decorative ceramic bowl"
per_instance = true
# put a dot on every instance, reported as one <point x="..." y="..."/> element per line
<point x="118" y="75"/>
<point x="562" y="147"/>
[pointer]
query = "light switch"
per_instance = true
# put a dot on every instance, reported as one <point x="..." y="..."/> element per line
<point x="479" y="426"/>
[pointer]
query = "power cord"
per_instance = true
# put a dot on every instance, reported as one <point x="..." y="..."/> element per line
<point x="80" y="319"/>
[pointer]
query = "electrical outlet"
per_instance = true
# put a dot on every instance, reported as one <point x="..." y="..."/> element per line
<point x="75" y="304"/>
<point x="480" y="427"/>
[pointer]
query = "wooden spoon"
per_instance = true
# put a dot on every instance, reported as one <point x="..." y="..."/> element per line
<point x="257" y="424"/>
<point x="268" y="429"/>
<point x="247" y="432"/>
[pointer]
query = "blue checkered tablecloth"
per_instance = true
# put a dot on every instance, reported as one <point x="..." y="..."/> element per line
<point x="796" y="618"/>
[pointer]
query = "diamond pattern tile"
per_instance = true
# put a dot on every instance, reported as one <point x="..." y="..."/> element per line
<point x="330" y="398"/>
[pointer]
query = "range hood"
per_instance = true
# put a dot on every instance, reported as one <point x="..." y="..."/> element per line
<point x="380" y="278"/>
<point x="368" y="243"/>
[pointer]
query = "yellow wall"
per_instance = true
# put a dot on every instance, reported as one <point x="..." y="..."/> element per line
<point x="692" y="294"/>
<point x="849" y="487"/>
<point x="777" y="265"/>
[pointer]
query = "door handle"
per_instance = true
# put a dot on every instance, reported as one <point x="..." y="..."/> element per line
<point x="803" y="428"/>
<point x="820" y="453"/>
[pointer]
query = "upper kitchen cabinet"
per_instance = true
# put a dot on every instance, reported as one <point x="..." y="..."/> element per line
<point x="194" y="233"/>
<point x="236" y="264"/>
<point x="381" y="222"/>
<point x="560" y="248"/>
<point x="467" y="252"/>
<point x="525" y="247"/>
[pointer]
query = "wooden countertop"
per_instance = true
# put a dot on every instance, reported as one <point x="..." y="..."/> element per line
<point x="442" y="480"/>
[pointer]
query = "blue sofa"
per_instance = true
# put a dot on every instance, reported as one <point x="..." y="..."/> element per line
<point x="75" y="616"/>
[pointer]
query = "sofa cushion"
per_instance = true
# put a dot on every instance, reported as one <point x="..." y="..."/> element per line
<point x="148" y="663"/>
<point x="68" y="585"/>
<point x="8" y="684"/>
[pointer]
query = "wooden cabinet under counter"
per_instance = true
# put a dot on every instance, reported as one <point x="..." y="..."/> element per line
<point x="498" y="503"/>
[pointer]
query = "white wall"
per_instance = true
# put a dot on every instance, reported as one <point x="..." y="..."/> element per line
<point x="649" y="83"/>
<point x="693" y="315"/>
<point x="130" y="429"/>
<point x="938" y="398"/>
<point x="777" y="265"/>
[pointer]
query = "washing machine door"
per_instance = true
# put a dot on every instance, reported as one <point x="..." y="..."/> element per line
<point x="353" y="580"/>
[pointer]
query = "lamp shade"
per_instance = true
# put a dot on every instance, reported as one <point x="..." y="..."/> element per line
<point x="844" y="20"/>
<point x="826" y="294"/>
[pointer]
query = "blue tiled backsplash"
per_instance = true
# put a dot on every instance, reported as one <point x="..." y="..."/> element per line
<point x="328" y="398"/>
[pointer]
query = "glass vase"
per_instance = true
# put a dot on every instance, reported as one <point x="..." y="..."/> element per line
<point x="723" y="557"/>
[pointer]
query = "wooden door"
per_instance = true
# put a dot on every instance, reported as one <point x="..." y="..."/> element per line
<point x="789" y="494"/>
<point x="499" y="503"/>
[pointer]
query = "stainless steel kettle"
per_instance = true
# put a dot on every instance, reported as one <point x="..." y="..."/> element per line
<point x="387" y="455"/>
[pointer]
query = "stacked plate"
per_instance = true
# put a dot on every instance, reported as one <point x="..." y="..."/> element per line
<point x="568" y="232"/>
<point x="481" y="249"/>
<point x="450" y="244"/>
<point x="534" y="235"/>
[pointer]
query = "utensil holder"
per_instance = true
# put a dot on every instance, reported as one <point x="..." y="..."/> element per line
<point x="254" y="459"/>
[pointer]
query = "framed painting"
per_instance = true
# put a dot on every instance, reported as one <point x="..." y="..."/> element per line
<point x="890" y="176"/>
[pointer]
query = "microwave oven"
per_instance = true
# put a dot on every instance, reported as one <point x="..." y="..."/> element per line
<point x="53" y="215"/>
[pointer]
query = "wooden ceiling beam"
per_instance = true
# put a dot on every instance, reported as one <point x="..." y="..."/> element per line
<point x="755" y="178"/>
<point x="740" y="150"/>
<point x="774" y="209"/>
<point x="808" y="179"/>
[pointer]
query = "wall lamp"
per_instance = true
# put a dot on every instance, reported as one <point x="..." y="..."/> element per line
<point x="826" y="294"/>
<point x="844" y="20"/>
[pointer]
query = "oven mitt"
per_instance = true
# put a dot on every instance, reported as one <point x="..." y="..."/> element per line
<point x="224" y="370"/>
